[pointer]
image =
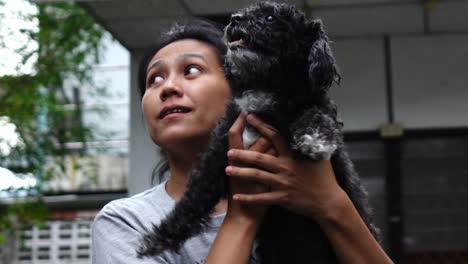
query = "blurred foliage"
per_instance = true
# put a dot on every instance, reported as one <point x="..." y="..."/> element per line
<point x="69" y="44"/>
<point x="23" y="214"/>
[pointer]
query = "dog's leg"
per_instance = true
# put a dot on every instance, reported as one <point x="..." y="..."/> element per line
<point x="318" y="136"/>
<point x="206" y="186"/>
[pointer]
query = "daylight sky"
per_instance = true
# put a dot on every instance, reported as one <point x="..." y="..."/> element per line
<point x="12" y="20"/>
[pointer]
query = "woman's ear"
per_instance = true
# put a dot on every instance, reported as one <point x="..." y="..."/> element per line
<point x="323" y="70"/>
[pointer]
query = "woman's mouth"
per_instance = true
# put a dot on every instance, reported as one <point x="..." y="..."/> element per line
<point x="173" y="111"/>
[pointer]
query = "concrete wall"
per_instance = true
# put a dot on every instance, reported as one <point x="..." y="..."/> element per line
<point x="361" y="98"/>
<point x="429" y="77"/>
<point x="430" y="80"/>
<point x="143" y="152"/>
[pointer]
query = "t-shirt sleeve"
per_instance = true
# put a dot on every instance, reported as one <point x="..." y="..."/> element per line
<point x="115" y="240"/>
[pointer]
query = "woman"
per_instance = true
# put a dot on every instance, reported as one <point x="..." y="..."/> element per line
<point x="184" y="95"/>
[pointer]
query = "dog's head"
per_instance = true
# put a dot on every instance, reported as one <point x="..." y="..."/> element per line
<point x="269" y="40"/>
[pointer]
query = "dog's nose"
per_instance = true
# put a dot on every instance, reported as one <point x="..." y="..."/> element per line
<point x="236" y="18"/>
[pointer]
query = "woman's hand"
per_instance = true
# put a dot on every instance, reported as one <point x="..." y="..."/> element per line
<point x="235" y="238"/>
<point x="239" y="185"/>
<point x="261" y="176"/>
<point x="303" y="186"/>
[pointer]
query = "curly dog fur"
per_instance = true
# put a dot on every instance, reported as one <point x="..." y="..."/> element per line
<point x="280" y="68"/>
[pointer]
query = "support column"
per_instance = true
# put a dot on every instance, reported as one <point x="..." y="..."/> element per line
<point x="392" y="135"/>
<point x="143" y="153"/>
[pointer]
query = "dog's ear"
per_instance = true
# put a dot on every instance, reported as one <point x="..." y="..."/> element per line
<point x="322" y="65"/>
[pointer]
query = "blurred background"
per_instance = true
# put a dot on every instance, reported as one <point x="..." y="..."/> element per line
<point x="72" y="136"/>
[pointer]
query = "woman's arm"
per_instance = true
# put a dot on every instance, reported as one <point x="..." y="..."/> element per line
<point x="349" y="235"/>
<point x="308" y="188"/>
<point x="234" y="241"/>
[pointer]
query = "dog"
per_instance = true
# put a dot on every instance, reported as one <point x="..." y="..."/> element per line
<point x="280" y="67"/>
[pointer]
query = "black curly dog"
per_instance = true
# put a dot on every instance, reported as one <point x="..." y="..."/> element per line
<point x="280" y="68"/>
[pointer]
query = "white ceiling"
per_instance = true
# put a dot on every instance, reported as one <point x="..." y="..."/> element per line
<point x="136" y="23"/>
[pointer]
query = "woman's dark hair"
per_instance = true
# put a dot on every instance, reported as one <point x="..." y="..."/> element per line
<point x="191" y="28"/>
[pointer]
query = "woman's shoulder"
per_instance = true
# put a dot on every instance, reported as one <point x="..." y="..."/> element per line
<point x="118" y="227"/>
<point x="140" y="210"/>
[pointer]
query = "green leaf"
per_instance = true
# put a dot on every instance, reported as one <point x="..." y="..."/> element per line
<point x="69" y="44"/>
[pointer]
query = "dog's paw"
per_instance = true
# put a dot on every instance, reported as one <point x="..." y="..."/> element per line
<point x="316" y="135"/>
<point x="314" y="146"/>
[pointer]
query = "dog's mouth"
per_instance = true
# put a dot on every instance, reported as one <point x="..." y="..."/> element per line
<point x="236" y="37"/>
<point x="240" y="42"/>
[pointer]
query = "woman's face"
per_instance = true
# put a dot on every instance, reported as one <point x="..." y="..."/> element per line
<point x="186" y="94"/>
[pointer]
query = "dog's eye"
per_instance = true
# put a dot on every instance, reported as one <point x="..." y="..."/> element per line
<point x="269" y="18"/>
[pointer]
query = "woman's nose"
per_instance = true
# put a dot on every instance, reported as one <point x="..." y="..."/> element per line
<point x="170" y="88"/>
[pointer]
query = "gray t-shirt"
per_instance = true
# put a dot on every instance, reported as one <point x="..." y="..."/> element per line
<point x="119" y="226"/>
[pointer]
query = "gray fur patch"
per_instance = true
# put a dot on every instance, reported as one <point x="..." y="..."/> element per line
<point x="314" y="146"/>
<point x="255" y="101"/>
<point x="240" y="58"/>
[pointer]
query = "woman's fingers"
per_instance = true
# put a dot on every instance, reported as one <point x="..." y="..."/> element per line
<point x="235" y="132"/>
<point x="275" y="197"/>
<point x="261" y="160"/>
<point x="257" y="175"/>
<point x="261" y="145"/>
<point x="271" y="152"/>
<point x="270" y="133"/>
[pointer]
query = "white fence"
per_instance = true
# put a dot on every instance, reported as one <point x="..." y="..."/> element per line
<point x="59" y="242"/>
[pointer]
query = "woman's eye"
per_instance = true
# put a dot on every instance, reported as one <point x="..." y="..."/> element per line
<point x="191" y="70"/>
<point x="157" y="79"/>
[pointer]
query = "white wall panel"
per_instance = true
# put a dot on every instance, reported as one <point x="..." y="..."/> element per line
<point x="205" y="7"/>
<point x="215" y="7"/>
<point x="125" y="10"/>
<point x="449" y="16"/>
<point x="114" y="120"/>
<point x="357" y="21"/>
<point x="431" y="80"/>
<point x="139" y="33"/>
<point x="361" y="98"/>
<point x="354" y="2"/>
